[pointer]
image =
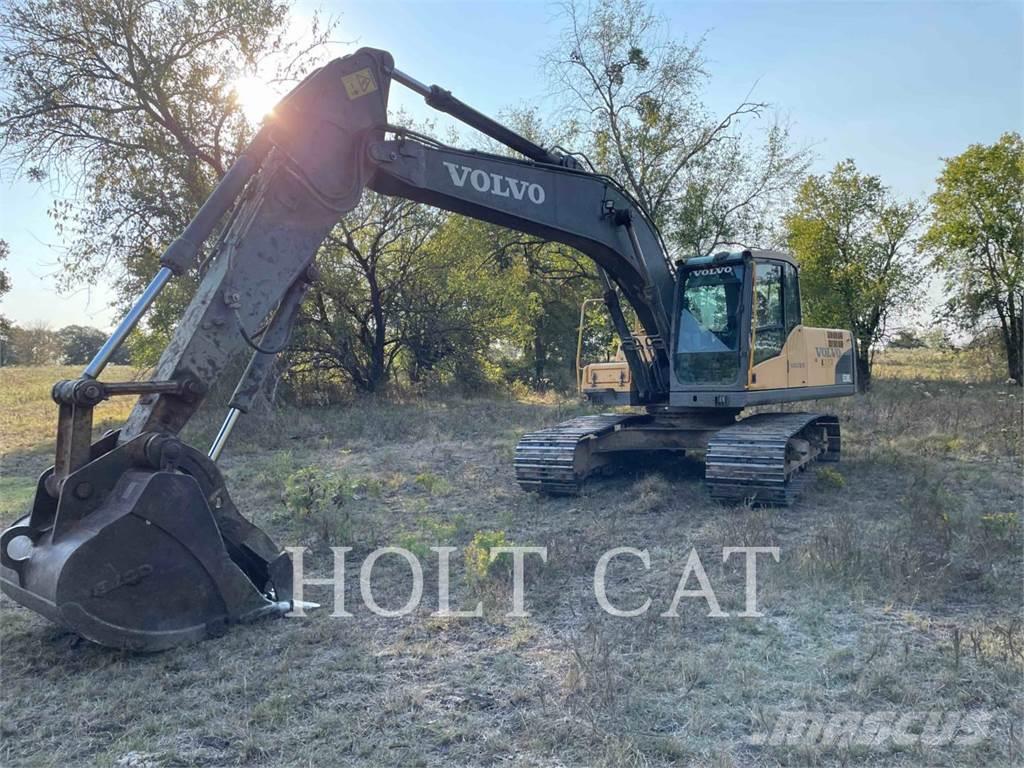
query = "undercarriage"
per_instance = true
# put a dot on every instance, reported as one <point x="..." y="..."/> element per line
<point x="760" y="459"/>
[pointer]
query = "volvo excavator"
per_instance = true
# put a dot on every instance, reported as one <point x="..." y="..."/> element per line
<point x="132" y="541"/>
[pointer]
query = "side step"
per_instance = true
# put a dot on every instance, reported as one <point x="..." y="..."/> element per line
<point x="556" y="460"/>
<point x="762" y="458"/>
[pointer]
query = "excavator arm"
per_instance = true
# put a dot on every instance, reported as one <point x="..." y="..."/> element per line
<point x="133" y="541"/>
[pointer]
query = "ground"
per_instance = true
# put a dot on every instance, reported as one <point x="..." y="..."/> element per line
<point x="898" y="590"/>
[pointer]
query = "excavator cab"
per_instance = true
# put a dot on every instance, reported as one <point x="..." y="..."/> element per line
<point x="740" y="340"/>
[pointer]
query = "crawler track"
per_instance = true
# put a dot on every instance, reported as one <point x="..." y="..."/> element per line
<point x="556" y="460"/>
<point x="763" y="458"/>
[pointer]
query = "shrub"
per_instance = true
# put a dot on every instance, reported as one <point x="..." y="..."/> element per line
<point x="1001" y="527"/>
<point x="830" y="478"/>
<point x="414" y="542"/>
<point x="320" y="497"/>
<point x="478" y="555"/>
<point x="433" y="484"/>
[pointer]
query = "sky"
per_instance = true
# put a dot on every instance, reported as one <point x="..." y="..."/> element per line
<point x="897" y="86"/>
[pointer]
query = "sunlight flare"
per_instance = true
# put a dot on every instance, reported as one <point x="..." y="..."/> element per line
<point x="255" y="97"/>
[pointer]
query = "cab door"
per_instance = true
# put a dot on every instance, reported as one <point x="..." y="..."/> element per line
<point x="768" y="368"/>
<point x="796" y="339"/>
<point x="778" y="337"/>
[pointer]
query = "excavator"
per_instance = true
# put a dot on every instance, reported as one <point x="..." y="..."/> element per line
<point x="133" y="541"/>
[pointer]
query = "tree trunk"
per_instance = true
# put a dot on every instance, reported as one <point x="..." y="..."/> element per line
<point x="1012" y="341"/>
<point x="415" y="375"/>
<point x="1012" y="328"/>
<point x="539" y="360"/>
<point x="377" y="374"/>
<point x="863" y="365"/>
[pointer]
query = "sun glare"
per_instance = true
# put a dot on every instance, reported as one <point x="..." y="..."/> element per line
<point x="256" y="98"/>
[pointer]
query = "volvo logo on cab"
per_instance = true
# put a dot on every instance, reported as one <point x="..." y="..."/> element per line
<point x="495" y="183"/>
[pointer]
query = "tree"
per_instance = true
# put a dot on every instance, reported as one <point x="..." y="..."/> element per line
<point x="34" y="345"/>
<point x="976" y="236"/>
<point x="5" y="324"/>
<point x="854" y="243"/>
<point x="906" y="339"/>
<point x="351" y="321"/>
<point x="551" y="281"/>
<point x="462" y="304"/>
<point x="548" y="280"/>
<point x="635" y="96"/>
<point x="131" y="105"/>
<point x="5" y="279"/>
<point x="80" y="343"/>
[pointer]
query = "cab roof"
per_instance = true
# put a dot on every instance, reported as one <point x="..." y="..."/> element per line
<point x="723" y="257"/>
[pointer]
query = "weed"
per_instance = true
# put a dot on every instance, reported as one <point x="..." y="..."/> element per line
<point x="370" y="486"/>
<point x="830" y="478"/>
<point x="834" y="550"/>
<point x="433" y="484"/>
<point x="929" y="505"/>
<point x="479" y="565"/>
<point x="651" y="494"/>
<point x="414" y="542"/>
<point x="428" y="533"/>
<point x="276" y="470"/>
<point x="1001" y="527"/>
<point x="321" y="498"/>
<point x="928" y="521"/>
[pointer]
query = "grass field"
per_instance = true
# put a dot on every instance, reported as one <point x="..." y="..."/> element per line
<point x="898" y="590"/>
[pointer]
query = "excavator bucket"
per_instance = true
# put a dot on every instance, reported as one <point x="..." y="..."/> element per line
<point x="142" y="549"/>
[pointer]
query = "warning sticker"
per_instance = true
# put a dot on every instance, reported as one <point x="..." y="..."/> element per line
<point x="359" y="83"/>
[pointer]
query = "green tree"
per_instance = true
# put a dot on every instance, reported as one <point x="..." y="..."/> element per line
<point x="548" y="280"/>
<point x="130" y="104"/>
<point x="35" y="344"/>
<point x="352" y="320"/>
<point x="906" y="339"/>
<point x="552" y="281"/>
<point x="635" y="97"/>
<point x="5" y="324"/>
<point x="976" y="235"/>
<point x="461" y="307"/>
<point x="854" y="243"/>
<point x="80" y="343"/>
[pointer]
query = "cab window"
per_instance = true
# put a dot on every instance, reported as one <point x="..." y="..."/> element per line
<point x="708" y="331"/>
<point x="770" y="333"/>
<point x="791" y="297"/>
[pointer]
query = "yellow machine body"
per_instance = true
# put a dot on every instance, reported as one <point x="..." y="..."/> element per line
<point x="808" y="359"/>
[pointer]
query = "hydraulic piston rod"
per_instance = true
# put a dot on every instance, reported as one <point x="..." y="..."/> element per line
<point x="442" y="100"/>
<point x="99" y="362"/>
<point x="180" y="254"/>
<point x="273" y="341"/>
<point x="224" y="433"/>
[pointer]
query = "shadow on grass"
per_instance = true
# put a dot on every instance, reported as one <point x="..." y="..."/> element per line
<point x="631" y="467"/>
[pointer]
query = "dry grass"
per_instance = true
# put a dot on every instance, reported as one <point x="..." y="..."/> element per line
<point x="28" y="421"/>
<point x="898" y="589"/>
